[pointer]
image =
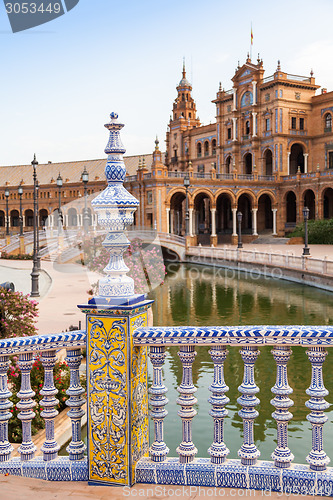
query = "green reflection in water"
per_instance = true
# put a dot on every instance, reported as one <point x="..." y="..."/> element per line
<point x="196" y="295"/>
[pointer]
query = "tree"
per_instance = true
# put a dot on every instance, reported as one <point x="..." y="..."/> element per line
<point x="18" y="314"/>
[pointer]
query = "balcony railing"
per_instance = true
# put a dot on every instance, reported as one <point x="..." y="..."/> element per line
<point x="225" y="176"/>
<point x="246" y="177"/>
<point x="177" y="174"/>
<point x="266" y="177"/>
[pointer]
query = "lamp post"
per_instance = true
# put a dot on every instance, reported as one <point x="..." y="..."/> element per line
<point x="239" y="217"/>
<point x="85" y="178"/>
<point x="187" y="214"/>
<point x="7" y="214"/>
<point x="35" y="272"/>
<point x="59" y="184"/>
<point x="37" y="220"/>
<point x="20" y="192"/>
<point x="306" y="249"/>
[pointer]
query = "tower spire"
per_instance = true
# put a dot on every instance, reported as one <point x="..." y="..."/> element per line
<point x="184" y="71"/>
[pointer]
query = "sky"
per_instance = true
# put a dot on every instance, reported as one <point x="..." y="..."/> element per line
<point x="60" y="81"/>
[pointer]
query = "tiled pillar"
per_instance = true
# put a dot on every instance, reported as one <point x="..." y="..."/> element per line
<point x="117" y="392"/>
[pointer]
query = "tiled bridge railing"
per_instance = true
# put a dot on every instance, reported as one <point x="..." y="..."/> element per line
<point x="247" y="471"/>
<point x="220" y="470"/>
<point x="49" y="466"/>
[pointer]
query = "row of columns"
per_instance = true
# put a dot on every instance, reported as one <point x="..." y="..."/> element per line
<point x="234" y="221"/>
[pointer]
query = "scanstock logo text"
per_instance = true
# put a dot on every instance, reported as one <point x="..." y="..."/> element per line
<point x="24" y="14"/>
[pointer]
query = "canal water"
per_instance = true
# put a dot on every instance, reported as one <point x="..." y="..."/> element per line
<point x="204" y="296"/>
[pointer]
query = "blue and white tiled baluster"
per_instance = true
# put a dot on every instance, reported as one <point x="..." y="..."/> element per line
<point x="26" y="404"/>
<point x="282" y="455"/>
<point x="76" y="447"/>
<point x="49" y="402"/>
<point x="186" y="400"/>
<point x="5" y="405"/>
<point x="158" y="450"/>
<point x="248" y="452"/>
<point x="317" y="458"/>
<point x="218" y="450"/>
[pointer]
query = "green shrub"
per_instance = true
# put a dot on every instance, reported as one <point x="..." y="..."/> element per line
<point x="319" y="231"/>
<point x="23" y="256"/>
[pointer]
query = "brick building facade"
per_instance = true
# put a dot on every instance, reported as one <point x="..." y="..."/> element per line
<point x="268" y="153"/>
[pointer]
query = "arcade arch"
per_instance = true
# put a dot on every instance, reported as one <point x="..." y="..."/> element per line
<point x="202" y="217"/>
<point x="328" y="203"/>
<point x="177" y="213"/>
<point x="265" y="214"/>
<point x="223" y="217"/>
<point x="245" y="206"/>
<point x="309" y="200"/>
<point x="296" y="159"/>
<point x="29" y="218"/>
<point x="291" y="210"/>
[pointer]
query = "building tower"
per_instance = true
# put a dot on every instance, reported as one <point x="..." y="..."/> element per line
<point x="182" y="120"/>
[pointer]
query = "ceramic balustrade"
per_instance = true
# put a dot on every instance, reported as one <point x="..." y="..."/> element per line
<point x="221" y="469"/>
<point x="49" y="466"/>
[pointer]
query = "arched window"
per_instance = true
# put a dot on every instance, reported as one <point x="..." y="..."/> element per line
<point x="199" y="150"/>
<point x="206" y="148"/>
<point x="214" y="147"/>
<point x="328" y="122"/>
<point x="247" y="127"/>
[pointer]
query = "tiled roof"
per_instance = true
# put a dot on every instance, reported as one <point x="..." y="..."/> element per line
<point x="71" y="170"/>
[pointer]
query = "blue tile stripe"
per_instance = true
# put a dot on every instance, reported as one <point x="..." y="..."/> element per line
<point x="296" y="480"/>
<point x="60" y="469"/>
<point x="268" y="335"/>
<point x="35" y="343"/>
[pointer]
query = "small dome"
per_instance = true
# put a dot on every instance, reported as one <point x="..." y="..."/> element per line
<point x="184" y="83"/>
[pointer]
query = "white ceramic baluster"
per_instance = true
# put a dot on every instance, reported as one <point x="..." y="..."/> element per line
<point x="76" y="447"/>
<point x="186" y="400"/>
<point x="282" y="455"/>
<point x="158" y="450"/>
<point x="248" y="452"/>
<point x="5" y="446"/>
<point x="317" y="458"/>
<point x="49" y="402"/>
<point x="26" y="404"/>
<point x="218" y="450"/>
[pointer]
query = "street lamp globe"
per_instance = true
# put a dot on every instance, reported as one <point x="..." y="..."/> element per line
<point x="59" y="181"/>
<point x="20" y="190"/>
<point x="186" y="181"/>
<point x="7" y="193"/>
<point x="239" y="217"/>
<point x="306" y="213"/>
<point x="85" y="175"/>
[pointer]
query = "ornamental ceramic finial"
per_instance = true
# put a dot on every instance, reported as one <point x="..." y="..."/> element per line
<point x="115" y="207"/>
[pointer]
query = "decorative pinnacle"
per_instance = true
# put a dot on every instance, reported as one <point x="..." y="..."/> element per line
<point x="184" y="72"/>
<point x="311" y="73"/>
<point x="115" y="207"/>
<point x="220" y="87"/>
<point x="156" y="143"/>
<point x="34" y="161"/>
<point x="278" y="66"/>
